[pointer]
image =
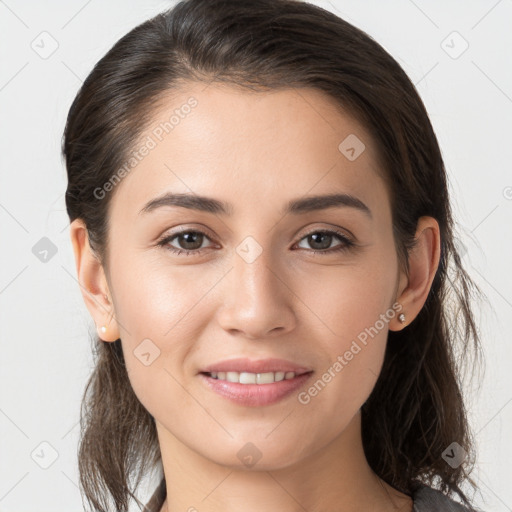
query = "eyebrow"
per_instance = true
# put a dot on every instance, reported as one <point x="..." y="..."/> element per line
<point x="294" y="207"/>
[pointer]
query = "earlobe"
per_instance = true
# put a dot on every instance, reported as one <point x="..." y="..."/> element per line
<point x="423" y="265"/>
<point x="93" y="283"/>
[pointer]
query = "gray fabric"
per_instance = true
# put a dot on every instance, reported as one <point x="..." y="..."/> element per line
<point x="427" y="499"/>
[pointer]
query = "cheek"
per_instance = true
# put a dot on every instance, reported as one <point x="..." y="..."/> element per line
<point x="163" y="309"/>
<point x="158" y="321"/>
<point x="161" y="298"/>
<point x="354" y="347"/>
<point x="344" y="300"/>
<point x="352" y="307"/>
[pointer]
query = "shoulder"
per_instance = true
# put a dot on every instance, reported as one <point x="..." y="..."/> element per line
<point x="427" y="499"/>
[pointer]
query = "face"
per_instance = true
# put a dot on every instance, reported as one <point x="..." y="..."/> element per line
<point x="315" y="287"/>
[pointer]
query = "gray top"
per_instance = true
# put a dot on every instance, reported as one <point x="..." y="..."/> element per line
<point x="425" y="499"/>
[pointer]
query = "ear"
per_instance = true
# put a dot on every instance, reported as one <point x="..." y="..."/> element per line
<point x="423" y="263"/>
<point x="93" y="283"/>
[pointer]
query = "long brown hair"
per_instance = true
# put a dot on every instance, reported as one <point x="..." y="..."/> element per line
<point x="416" y="409"/>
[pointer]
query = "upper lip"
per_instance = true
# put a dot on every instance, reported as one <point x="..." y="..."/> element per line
<point x="255" y="366"/>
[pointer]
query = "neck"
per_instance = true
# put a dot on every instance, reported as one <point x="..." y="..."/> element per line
<point x="336" y="477"/>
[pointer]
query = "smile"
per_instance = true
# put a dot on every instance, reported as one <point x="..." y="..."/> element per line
<point x="252" y="378"/>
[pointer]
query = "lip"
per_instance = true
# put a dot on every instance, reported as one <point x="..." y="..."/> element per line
<point x="255" y="395"/>
<point x="242" y="364"/>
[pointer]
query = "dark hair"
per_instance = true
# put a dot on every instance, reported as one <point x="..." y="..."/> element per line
<point x="416" y="408"/>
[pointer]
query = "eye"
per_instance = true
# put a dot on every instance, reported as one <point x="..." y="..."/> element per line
<point x="322" y="239"/>
<point x="189" y="241"/>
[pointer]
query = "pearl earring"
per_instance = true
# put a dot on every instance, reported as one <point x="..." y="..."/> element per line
<point x="401" y="317"/>
<point x="103" y="329"/>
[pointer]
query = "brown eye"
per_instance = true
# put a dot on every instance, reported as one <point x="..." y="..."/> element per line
<point x="189" y="242"/>
<point x="321" y="240"/>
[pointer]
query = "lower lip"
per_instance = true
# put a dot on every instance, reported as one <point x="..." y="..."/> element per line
<point x="255" y="395"/>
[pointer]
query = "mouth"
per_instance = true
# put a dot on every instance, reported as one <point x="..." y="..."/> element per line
<point x="253" y="378"/>
<point x="255" y="389"/>
<point x="254" y="371"/>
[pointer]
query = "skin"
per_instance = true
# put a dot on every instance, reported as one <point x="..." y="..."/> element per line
<point x="257" y="151"/>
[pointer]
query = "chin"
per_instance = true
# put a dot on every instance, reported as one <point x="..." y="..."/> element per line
<point x="254" y="457"/>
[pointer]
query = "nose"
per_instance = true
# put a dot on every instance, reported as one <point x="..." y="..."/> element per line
<point x="257" y="300"/>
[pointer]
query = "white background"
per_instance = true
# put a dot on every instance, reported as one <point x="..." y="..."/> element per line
<point x="45" y="328"/>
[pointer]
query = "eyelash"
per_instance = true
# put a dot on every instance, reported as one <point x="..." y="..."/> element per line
<point x="344" y="246"/>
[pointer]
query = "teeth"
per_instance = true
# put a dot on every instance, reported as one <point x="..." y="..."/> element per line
<point x="253" y="378"/>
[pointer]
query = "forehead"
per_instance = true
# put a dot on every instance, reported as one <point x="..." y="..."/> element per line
<point x="250" y="149"/>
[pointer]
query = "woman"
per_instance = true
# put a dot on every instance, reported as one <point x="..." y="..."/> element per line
<point x="263" y="237"/>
